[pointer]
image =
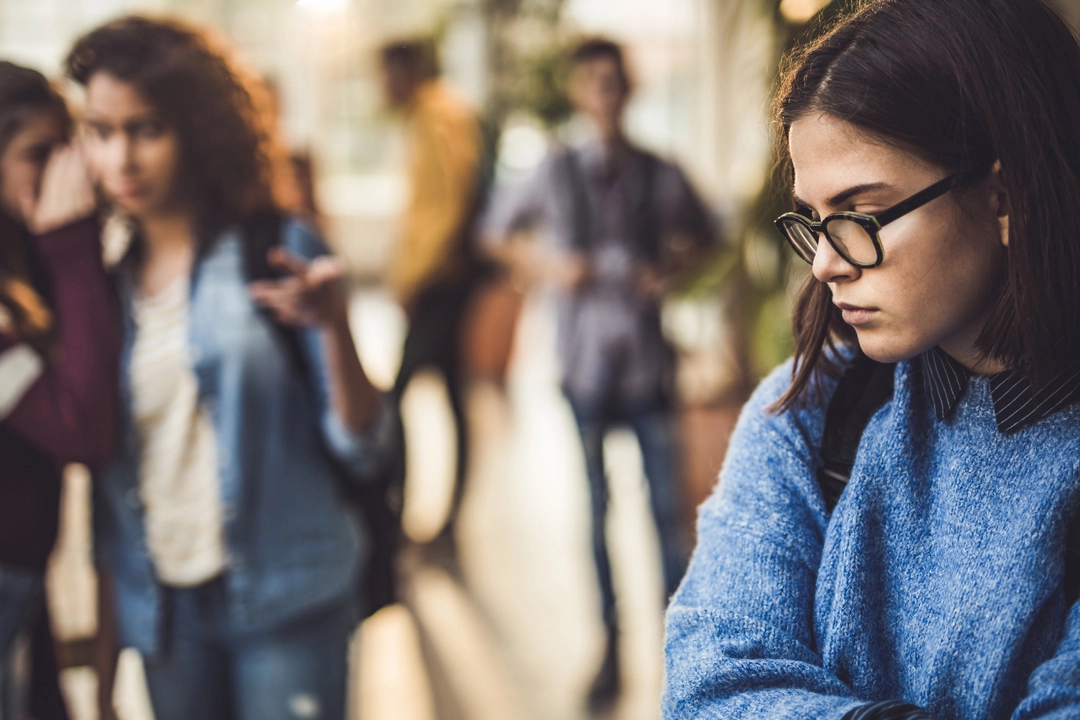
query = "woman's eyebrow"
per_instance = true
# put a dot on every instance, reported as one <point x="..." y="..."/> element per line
<point x="132" y="121"/>
<point x="845" y="195"/>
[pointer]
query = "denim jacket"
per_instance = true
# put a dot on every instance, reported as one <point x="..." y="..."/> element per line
<point x="292" y="546"/>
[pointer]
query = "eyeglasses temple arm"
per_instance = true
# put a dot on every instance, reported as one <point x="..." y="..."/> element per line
<point x="924" y="196"/>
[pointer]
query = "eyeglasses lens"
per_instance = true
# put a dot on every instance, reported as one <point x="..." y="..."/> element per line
<point x="852" y="240"/>
<point x="802" y="239"/>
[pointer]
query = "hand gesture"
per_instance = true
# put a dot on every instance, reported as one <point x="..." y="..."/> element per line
<point x="652" y="284"/>
<point x="570" y="271"/>
<point x="66" y="193"/>
<point x="310" y="294"/>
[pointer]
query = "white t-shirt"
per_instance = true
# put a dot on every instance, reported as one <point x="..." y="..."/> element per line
<point x="178" y="474"/>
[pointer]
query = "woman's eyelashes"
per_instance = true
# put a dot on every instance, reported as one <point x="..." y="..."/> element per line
<point x="861" y="208"/>
<point x="99" y="131"/>
<point x="149" y="129"/>
<point x="39" y="154"/>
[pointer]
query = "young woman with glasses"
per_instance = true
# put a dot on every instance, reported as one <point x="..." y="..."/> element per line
<point x="220" y="523"/>
<point x="936" y="174"/>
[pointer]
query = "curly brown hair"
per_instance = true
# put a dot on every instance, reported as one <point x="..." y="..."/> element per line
<point x="233" y="165"/>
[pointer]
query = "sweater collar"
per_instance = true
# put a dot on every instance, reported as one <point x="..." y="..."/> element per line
<point x="1016" y="405"/>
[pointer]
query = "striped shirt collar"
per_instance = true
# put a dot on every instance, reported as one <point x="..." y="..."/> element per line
<point x="1015" y="405"/>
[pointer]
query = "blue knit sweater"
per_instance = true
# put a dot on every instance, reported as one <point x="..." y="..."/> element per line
<point x="937" y="580"/>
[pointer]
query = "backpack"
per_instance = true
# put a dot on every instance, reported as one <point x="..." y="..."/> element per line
<point x="863" y="389"/>
<point x="378" y="500"/>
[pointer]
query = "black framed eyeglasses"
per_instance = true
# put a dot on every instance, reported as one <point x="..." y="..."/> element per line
<point x="854" y="235"/>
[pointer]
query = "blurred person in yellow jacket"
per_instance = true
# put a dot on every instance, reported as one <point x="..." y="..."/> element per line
<point x="433" y="271"/>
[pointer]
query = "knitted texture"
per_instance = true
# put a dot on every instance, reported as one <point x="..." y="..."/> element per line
<point x="937" y="580"/>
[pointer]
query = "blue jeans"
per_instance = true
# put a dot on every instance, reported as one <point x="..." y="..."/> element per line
<point x="654" y="427"/>
<point x="20" y="598"/>
<point x="207" y="671"/>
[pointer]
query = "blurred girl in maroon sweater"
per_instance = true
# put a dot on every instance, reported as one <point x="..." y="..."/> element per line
<point x="58" y="367"/>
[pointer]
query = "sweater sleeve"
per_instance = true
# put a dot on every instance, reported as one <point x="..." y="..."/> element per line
<point x="1054" y="687"/>
<point x="70" y="411"/>
<point x="521" y="207"/>
<point x="740" y="635"/>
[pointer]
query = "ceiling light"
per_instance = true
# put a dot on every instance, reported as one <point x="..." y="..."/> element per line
<point x="322" y="4"/>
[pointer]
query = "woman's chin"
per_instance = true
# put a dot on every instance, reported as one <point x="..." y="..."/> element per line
<point x="886" y="350"/>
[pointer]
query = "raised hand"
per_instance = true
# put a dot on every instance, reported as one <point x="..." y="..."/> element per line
<point x="66" y="193"/>
<point x="310" y="294"/>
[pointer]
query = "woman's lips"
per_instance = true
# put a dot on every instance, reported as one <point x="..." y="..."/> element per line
<point x="128" y="193"/>
<point x="854" y="315"/>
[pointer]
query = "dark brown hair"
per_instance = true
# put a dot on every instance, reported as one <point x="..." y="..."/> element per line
<point x="232" y="161"/>
<point x="417" y="57"/>
<point x="24" y="285"/>
<point x="960" y="83"/>
<point x="601" y="48"/>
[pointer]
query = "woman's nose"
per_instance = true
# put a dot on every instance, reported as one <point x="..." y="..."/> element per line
<point x="829" y="266"/>
<point x="119" y="154"/>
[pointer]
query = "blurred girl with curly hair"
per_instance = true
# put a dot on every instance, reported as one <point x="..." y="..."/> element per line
<point x="232" y="559"/>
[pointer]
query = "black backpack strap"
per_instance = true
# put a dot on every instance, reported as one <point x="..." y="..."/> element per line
<point x="863" y="389"/>
<point x="261" y="234"/>
<point x="648" y="235"/>
<point x="578" y="200"/>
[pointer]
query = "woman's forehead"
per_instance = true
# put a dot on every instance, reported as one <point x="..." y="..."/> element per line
<point x="109" y="97"/>
<point x="830" y="156"/>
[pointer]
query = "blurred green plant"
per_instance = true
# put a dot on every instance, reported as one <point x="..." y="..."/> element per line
<point x="543" y="89"/>
<point x="752" y="273"/>
<point x="519" y="33"/>
<point x="755" y="272"/>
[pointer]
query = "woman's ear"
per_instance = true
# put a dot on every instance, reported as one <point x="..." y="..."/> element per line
<point x="999" y="201"/>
